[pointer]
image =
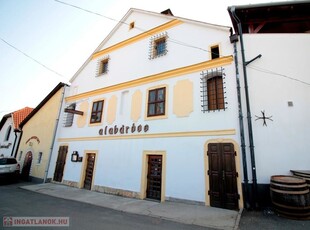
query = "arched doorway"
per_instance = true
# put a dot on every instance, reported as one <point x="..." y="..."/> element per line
<point x="27" y="166"/>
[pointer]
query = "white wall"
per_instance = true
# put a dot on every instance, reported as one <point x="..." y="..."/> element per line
<point x="131" y="62"/>
<point x="7" y="146"/>
<point x="284" y="143"/>
<point x="119" y="161"/>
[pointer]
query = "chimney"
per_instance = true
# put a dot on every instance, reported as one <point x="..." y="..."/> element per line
<point x="167" y="12"/>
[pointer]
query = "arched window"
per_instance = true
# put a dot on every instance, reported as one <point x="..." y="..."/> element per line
<point x="8" y="133"/>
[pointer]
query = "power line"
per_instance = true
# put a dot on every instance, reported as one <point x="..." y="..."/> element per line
<point x="278" y="74"/>
<point x="88" y="11"/>
<point x="28" y="56"/>
<point x="183" y="43"/>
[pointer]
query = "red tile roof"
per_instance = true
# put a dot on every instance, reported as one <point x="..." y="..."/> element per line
<point x="19" y="115"/>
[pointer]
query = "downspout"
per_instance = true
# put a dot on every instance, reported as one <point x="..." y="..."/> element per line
<point x="234" y="39"/>
<point x="244" y="63"/>
<point x="54" y="134"/>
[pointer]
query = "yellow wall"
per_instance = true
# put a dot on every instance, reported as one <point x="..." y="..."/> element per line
<point x="42" y="126"/>
<point x="183" y="98"/>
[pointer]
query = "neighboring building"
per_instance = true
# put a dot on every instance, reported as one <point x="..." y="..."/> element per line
<point x="39" y="130"/>
<point x="153" y="113"/>
<point x="276" y="44"/>
<point x="10" y="131"/>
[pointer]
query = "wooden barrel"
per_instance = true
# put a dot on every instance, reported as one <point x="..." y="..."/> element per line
<point x="290" y="197"/>
<point x="303" y="174"/>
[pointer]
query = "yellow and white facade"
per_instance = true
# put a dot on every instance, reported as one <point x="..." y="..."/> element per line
<point x="149" y="54"/>
<point x="38" y="131"/>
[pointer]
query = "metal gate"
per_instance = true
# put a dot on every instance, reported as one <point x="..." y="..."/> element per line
<point x="153" y="190"/>
<point x="89" y="170"/>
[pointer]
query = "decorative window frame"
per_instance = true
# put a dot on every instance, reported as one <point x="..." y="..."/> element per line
<point x="205" y="76"/>
<point x="100" y="61"/>
<point x="152" y="45"/>
<point x="39" y="160"/>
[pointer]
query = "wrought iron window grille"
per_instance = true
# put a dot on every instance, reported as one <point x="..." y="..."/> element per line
<point x="68" y="118"/>
<point x="158" y="45"/>
<point x="102" y="66"/>
<point x="213" y="90"/>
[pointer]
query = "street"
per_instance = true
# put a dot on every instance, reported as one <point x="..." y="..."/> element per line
<point x="17" y="202"/>
<point x="267" y="219"/>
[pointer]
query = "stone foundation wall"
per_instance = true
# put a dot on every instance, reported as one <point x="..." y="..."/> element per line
<point x="117" y="192"/>
<point x="70" y="183"/>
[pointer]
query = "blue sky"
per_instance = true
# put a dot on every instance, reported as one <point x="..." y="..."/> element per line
<point x="61" y="38"/>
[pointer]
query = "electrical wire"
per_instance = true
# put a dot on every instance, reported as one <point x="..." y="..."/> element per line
<point x="28" y="56"/>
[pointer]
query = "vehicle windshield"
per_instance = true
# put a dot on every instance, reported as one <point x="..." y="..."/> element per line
<point x="7" y="161"/>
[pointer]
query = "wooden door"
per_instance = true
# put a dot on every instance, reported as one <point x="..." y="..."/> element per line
<point x="27" y="166"/>
<point x="153" y="190"/>
<point x="60" y="163"/>
<point x="89" y="170"/>
<point x="222" y="176"/>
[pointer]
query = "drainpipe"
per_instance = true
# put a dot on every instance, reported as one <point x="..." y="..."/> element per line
<point x="244" y="63"/>
<point x="234" y="39"/>
<point x="54" y="134"/>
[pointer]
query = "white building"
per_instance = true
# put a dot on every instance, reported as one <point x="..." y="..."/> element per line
<point x="277" y="53"/>
<point x="10" y="131"/>
<point x="153" y="113"/>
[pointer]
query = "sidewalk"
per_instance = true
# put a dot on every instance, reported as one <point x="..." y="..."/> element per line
<point x="174" y="211"/>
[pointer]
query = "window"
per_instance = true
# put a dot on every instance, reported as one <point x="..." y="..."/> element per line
<point x="213" y="90"/>
<point x="215" y="93"/>
<point x="158" y="46"/>
<point x="20" y="155"/>
<point x="156" y="102"/>
<point x="103" y="66"/>
<point x="96" y="112"/>
<point x="39" y="158"/>
<point x="215" y="52"/>
<point x="8" y="133"/>
<point x="69" y="116"/>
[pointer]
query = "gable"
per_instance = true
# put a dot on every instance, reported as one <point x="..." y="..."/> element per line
<point x="146" y="24"/>
<point x="143" y="22"/>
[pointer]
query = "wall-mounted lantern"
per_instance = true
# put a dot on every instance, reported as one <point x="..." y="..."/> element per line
<point x="74" y="156"/>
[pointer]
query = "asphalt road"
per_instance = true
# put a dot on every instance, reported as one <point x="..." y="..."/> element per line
<point x="268" y="220"/>
<point x="16" y="202"/>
